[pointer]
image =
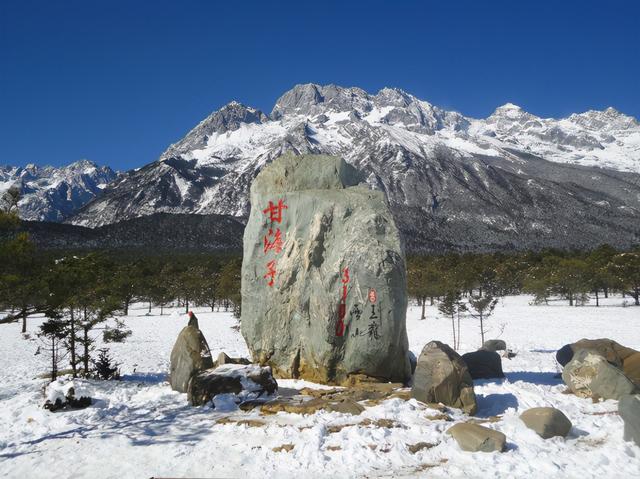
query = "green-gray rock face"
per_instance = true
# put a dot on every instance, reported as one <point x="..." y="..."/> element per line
<point x="443" y="377"/>
<point x="323" y="275"/>
<point x="546" y="421"/>
<point x="476" y="438"/>
<point x="190" y="354"/>
<point x="589" y="374"/>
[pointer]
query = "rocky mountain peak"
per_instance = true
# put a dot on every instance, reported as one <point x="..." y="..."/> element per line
<point x="607" y="120"/>
<point x="228" y="118"/>
<point x="311" y="99"/>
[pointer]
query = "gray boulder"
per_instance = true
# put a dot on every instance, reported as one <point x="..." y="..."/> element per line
<point x="476" y="438"/>
<point x="589" y="374"/>
<point x="248" y="382"/>
<point x="190" y="354"/>
<point x="323" y="275"/>
<point x="484" y="364"/>
<point x="494" y="345"/>
<point x="629" y="410"/>
<point x="546" y="421"/>
<point x="442" y="377"/>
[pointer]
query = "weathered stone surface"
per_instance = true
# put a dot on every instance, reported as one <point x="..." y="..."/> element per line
<point x="610" y="350"/>
<point x="442" y="376"/>
<point x="323" y="275"/>
<point x="494" y="345"/>
<point x="484" y="364"/>
<point x="190" y="354"/>
<point x="476" y="438"/>
<point x="631" y="367"/>
<point x="589" y="374"/>
<point x="629" y="410"/>
<point x="250" y="380"/>
<point x="546" y="421"/>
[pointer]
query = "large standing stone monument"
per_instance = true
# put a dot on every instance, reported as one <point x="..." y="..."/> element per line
<point x="323" y="275"/>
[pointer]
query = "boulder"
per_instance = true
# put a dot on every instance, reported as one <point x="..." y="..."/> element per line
<point x="248" y="382"/>
<point x="190" y="354"/>
<point x="629" y="410"/>
<point x="546" y="421"/>
<point x="589" y="374"/>
<point x="484" y="364"/>
<point x="323" y="275"/>
<point x="494" y="345"/>
<point x="442" y="377"/>
<point x="610" y="350"/>
<point x="631" y="367"/>
<point x="476" y="438"/>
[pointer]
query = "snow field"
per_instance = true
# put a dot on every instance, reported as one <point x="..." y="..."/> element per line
<point x="139" y="427"/>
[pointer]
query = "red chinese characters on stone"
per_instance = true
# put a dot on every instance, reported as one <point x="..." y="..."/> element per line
<point x="275" y="211"/>
<point x="271" y="272"/>
<point x="276" y="243"/>
<point x="273" y="240"/>
<point x="342" y="306"/>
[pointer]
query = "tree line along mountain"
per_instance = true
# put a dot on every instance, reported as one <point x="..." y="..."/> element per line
<point x="512" y="181"/>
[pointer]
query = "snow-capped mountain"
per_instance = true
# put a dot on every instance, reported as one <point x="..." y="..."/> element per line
<point x="52" y="194"/>
<point x="510" y="180"/>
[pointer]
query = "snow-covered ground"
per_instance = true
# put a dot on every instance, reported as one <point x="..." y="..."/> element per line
<point x="139" y="427"/>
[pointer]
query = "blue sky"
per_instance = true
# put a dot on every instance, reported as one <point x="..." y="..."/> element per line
<point x="118" y="81"/>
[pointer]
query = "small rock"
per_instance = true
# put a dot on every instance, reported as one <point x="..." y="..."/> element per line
<point x="475" y="438"/>
<point x="442" y="376"/>
<point x="494" y="345"/>
<point x="223" y="358"/>
<point x="546" y="421"/>
<point x="484" y="364"/>
<point x="629" y="410"/>
<point x="414" y="448"/>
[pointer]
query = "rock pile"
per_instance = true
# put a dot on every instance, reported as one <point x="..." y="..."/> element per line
<point x="193" y="371"/>
<point x="600" y="368"/>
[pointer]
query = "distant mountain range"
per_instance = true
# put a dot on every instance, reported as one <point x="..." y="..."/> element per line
<point x="510" y="181"/>
<point x="54" y="194"/>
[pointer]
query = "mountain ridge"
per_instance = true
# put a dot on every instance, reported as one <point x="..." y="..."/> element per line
<point x="512" y="180"/>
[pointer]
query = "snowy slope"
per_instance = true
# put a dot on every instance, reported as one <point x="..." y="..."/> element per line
<point x="139" y="427"/>
<point x="511" y="180"/>
<point x="52" y="194"/>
